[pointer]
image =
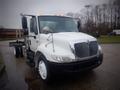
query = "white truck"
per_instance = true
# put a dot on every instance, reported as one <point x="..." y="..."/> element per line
<point x="116" y="31"/>
<point x="54" y="45"/>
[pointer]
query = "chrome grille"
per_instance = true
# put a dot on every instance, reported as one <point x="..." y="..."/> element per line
<point x="86" y="49"/>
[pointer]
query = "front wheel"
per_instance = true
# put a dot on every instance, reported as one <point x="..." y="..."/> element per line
<point x="43" y="71"/>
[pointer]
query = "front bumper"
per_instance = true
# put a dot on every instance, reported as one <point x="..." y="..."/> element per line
<point x="75" y="66"/>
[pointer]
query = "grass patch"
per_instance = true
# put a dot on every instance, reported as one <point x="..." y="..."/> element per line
<point x="109" y="39"/>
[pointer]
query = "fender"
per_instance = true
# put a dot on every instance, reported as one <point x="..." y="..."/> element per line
<point x="47" y="51"/>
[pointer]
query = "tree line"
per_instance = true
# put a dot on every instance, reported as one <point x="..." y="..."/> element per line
<point x="102" y="19"/>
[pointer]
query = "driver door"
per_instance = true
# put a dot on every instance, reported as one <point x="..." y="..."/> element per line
<point x="33" y="34"/>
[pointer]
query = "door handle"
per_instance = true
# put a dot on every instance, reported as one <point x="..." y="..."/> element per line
<point x="34" y="37"/>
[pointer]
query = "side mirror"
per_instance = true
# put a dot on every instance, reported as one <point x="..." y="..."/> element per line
<point x="24" y="25"/>
<point x="24" y="22"/>
<point x="79" y="25"/>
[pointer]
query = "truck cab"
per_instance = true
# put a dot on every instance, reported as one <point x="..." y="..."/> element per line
<point x="54" y="45"/>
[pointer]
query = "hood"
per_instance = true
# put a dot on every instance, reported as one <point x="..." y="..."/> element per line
<point x="63" y="42"/>
<point x="73" y="37"/>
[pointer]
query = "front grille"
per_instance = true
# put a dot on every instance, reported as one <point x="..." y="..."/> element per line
<point x="86" y="49"/>
<point x="93" y="46"/>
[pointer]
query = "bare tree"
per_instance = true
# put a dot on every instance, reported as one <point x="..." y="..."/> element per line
<point x="99" y="18"/>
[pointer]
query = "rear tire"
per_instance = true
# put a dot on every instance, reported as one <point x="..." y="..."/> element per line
<point x="16" y="52"/>
<point x="21" y="51"/>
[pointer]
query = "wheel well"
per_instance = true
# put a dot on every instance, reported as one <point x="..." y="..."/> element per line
<point x="38" y="55"/>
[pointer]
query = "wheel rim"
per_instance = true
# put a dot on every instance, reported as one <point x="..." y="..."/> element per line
<point x="42" y="70"/>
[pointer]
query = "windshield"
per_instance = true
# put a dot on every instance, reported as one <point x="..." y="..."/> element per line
<point x="57" y="24"/>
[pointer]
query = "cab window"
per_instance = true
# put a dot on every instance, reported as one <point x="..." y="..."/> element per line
<point x="33" y="25"/>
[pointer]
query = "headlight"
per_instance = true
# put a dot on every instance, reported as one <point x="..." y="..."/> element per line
<point x="100" y="49"/>
<point x="61" y="59"/>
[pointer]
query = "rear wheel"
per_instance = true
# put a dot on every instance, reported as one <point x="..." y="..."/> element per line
<point x="21" y="51"/>
<point x="16" y="52"/>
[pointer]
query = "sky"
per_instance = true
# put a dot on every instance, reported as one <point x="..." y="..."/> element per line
<point x="10" y="9"/>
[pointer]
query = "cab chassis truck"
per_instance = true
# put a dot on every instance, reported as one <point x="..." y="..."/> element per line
<point x="54" y="45"/>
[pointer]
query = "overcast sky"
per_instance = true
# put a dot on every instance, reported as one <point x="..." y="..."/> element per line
<point x="10" y="9"/>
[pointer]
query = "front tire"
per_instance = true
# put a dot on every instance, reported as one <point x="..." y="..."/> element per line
<point x="43" y="70"/>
